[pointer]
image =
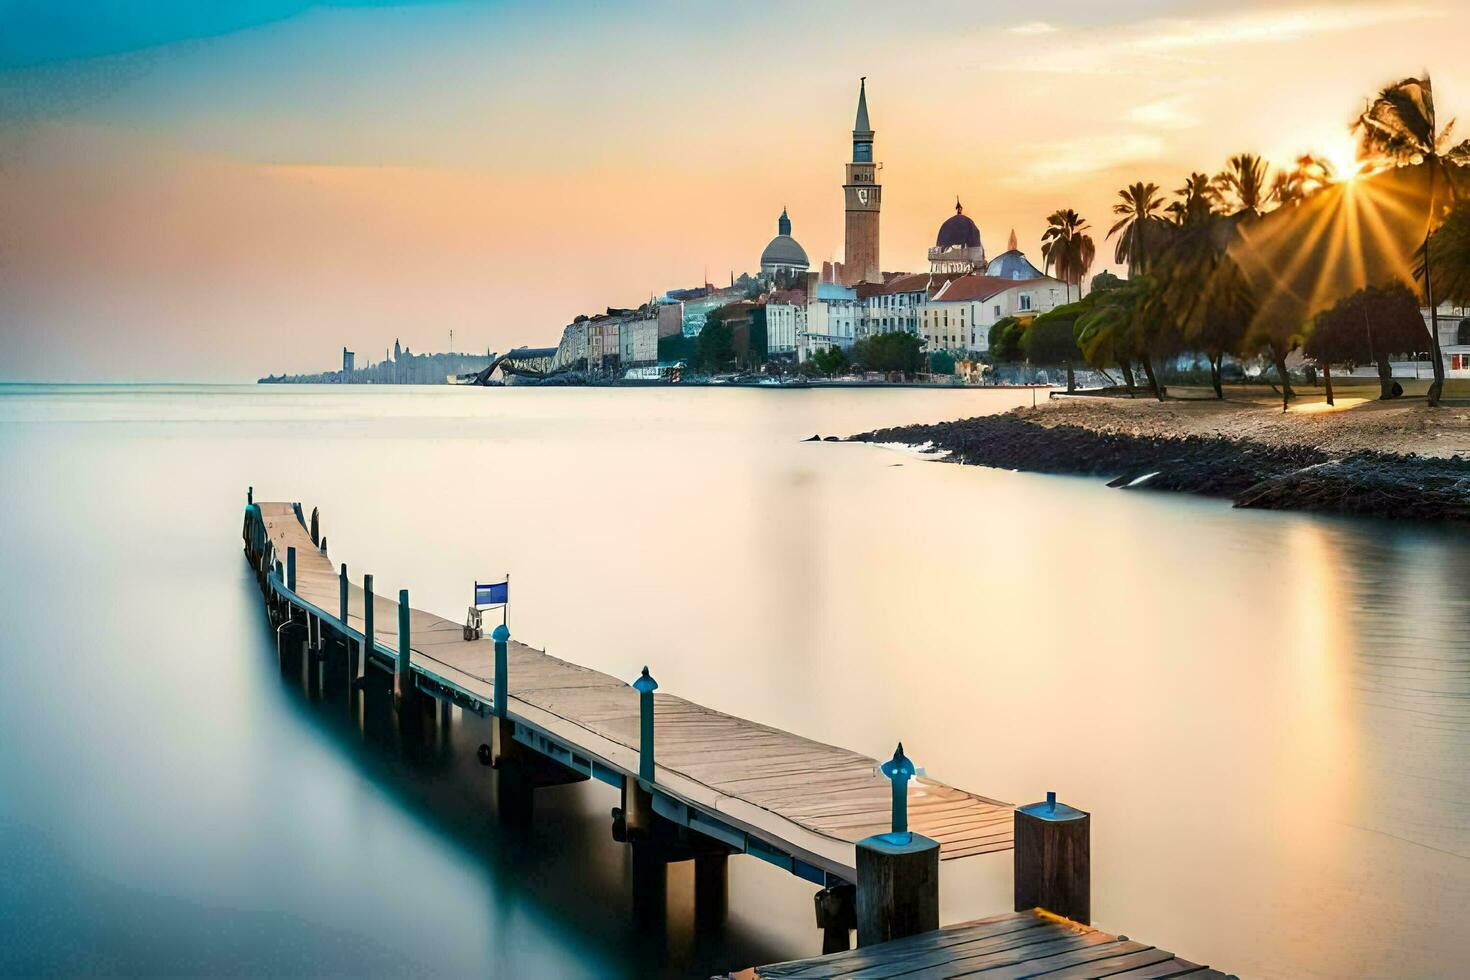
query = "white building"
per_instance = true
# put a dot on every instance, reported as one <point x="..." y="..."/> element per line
<point x="638" y="339"/>
<point x="786" y="321"/>
<point x="833" y="319"/>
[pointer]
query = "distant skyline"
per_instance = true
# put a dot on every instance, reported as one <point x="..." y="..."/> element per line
<point x="195" y="193"/>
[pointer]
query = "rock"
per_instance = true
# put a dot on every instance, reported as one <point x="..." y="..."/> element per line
<point x="831" y="439"/>
<point x="813" y="439"/>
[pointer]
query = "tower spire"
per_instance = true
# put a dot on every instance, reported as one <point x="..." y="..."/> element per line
<point x="862" y="126"/>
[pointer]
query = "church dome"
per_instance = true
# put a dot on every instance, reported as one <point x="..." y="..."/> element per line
<point x="784" y="252"/>
<point x="1013" y="265"/>
<point x="958" y="230"/>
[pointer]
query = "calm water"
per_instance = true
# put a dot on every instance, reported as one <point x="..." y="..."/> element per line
<point x="1267" y="714"/>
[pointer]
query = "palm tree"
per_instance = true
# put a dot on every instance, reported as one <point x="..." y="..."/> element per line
<point x="1244" y="181"/>
<point x="1067" y="245"/>
<point x="1449" y="252"/>
<point x="1399" y="126"/>
<point x="1139" y="215"/>
<point x="1309" y="175"/>
<point x="1197" y="200"/>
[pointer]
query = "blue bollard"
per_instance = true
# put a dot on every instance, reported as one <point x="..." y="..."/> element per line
<point x="645" y="686"/>
<point x="899" y="770"/>
<point x="291" y="569"/>
<point x="501" y="636"/>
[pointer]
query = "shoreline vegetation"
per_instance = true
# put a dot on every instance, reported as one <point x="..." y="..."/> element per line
<point x="1372" y="459"/>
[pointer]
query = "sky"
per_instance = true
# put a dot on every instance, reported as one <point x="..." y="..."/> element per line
<point x="213" y="192"/>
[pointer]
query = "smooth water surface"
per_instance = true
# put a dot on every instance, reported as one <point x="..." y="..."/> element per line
<point x="1267" y="714"/>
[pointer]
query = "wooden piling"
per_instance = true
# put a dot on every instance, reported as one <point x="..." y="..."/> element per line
<point x="1053" y="859"/>
<point x="836" y="916"/>
<point x="316" y="527"/>
<point x="291" y="569"/>
<point x="711" y="888"/>
<point x="897" y="887"/>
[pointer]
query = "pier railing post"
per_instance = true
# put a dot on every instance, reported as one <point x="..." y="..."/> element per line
<point x="342" y="596"/>
<point x="897" y="872"/>
<point x="316" y="527"/>
<point x="369" y="641"/>
<point x="645" y="686"/>
<point x="402" y="679"/>
<point x="291" y="569"/>
<point x="1053" y="859"/>
<point x="501" y="636"/>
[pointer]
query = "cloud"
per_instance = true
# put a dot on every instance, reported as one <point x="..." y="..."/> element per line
<point x="1143" y="46"/>
<point x="1164" y="114"/>
<point x="1084" y="155"/>
<point x="1032" y="27"/>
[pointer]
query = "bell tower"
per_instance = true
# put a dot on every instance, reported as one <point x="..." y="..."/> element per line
<point x="863" y="197"/>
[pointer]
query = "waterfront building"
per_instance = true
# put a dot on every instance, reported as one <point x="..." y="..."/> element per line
<point x="957" y="247"/>
<point x="638" y="338"/>
<point x="863" y="199"/>
<point x="786" y="320"/>
<point x="834" y="316"/>
<point x="349" y="361"/>
<point x="783" y="258"/>
<point x="898" y="304"/>
<point x="959" y="316"/>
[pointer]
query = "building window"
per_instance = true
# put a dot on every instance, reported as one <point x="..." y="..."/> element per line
<point x="1025" y="301"/>
<point x="997" y="312"/>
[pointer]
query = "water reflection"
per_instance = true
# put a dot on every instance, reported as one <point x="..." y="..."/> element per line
<point x="1267" y="714"/>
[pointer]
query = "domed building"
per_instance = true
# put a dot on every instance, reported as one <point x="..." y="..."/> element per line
<point x="1013" y="264"/>
<point x="784" y="256"/>
<point x="957" y="247"/>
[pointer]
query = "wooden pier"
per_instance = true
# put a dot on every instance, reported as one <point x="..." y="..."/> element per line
<point x="1018" y="944"/>
<point x="696" y="784"/>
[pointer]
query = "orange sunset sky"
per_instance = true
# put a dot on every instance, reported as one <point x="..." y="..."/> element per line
<point x="197" y="195"/>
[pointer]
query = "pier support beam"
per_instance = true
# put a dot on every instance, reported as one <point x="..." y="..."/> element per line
<point x="836" y="916"/>
<point x="711" y="888"/>
<point x="1053" y="859"/>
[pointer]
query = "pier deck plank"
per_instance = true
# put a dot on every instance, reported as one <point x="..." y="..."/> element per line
<point x="1002" y="947"/>
<point x="813" y="798"/>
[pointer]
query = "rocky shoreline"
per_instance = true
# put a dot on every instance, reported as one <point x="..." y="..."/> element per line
<point x="1277" y="476"/>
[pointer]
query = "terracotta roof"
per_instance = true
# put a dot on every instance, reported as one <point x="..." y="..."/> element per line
<point x="792" y="297"/>
<point x="973" y="287"/>
<point x="914" y="282"/>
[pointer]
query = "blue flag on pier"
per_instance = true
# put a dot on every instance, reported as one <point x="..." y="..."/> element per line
<point x="492" y="594"/>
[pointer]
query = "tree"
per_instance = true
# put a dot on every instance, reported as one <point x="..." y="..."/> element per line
<point x="892" y="350"/>
<point x="1066" y="245"/>
<point x="1051" y="339"/>
<point x="1400" y="126"/>
<point x="1005" y="340"/>
<point x="941" y="362"/>
<point x="677" y="347"/>
<point x="1104" y="281"/>
<point x="1125" y="325"/>
<point x="1197" y="200"/>
<point x="1244" y="183"/>
<point x="1139" y="217"/>
<point x="1309" y="175"/>
<point x="1449" y="254"/>
<point x="1366" y="327"/>
<point x="829" y="360"/>
<point x="716" y="345"/>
